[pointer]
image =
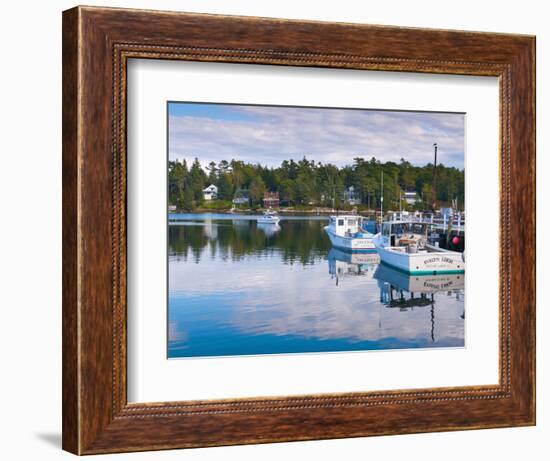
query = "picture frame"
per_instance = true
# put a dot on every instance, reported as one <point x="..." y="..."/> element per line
<point x="97" y="44"/>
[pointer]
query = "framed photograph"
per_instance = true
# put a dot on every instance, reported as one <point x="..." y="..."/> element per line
<point x="282" y="230"/>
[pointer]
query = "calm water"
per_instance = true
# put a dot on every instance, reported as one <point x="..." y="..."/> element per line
<point x="239" y="288"/>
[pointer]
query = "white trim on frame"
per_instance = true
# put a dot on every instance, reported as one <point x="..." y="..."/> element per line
<point x="151" y="377"/>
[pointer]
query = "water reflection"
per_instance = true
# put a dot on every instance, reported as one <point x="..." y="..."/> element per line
<point x="346" y="264"/>
<point x="407" y="292"/>
<point x="235" y="238"/>
<point x="235" y="289"/>
<point x="269" y="229"/>
<point x="390" y="280"/>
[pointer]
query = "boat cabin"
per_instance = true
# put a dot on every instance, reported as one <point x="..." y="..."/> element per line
<point x="347" y="226"/>
<point x="405" y="234"/>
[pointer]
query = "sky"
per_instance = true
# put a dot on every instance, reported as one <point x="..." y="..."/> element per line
<point x="270" y="134"/>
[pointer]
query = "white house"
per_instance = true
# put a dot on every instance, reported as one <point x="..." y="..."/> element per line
<point x="211" y="192"/>
<point x="351" y="196"/>
<point x="242" y="197"/>
<point x="410" y="197"/>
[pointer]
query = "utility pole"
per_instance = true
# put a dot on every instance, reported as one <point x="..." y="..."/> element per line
<point x="434" y="180"/>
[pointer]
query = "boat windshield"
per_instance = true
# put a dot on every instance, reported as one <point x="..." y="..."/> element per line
<point x="409" y="228"/>
<point x="348" y="222"/>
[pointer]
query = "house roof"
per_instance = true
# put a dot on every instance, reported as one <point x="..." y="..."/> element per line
<point x="272" y="195"/>
<point x="242" y="193"/>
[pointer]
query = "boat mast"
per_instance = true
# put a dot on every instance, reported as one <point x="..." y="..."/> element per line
<point x="381" y="198"/>
<point x="434" y="179"/>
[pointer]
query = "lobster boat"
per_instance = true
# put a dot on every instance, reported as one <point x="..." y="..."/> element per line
<point x="346" y="232"/>
<point x="404" y="246"/>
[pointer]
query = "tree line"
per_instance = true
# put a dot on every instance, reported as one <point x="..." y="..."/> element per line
<point x="309" y="183"/>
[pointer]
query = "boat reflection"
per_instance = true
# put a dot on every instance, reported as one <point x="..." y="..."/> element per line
<point x="406" y="291"/>
<point x="420" y="284"/>
<point x="269" y="229"/>
<point x="346" y="264"/>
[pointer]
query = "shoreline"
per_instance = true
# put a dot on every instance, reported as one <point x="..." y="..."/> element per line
<point x="282" y="212"/>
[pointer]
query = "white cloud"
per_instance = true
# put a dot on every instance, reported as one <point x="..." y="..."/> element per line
<point x="269" y="135"/>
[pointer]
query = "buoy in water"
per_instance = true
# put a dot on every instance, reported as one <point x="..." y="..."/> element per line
<point x="456" y="240"/>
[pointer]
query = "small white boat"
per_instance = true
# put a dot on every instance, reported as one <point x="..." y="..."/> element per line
<point x="269" y="217"/>
<point x="404" y="246"/>
<point x="346" y="232"/>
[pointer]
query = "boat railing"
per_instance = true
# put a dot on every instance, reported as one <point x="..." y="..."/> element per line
<point x="455" y="222"/>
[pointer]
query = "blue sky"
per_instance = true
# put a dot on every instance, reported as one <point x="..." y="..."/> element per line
<point x="271" y="134"/>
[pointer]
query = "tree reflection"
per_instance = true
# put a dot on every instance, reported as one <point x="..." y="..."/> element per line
<point x="298" y="241"/>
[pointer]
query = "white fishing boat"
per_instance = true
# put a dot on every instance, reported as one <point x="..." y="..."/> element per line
<point x="346" y="232"/>
<point x="269" y="217"/>
<point x="404" y="245"/>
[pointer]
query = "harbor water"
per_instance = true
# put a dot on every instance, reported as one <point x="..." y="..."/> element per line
<point x="237" y="288"/>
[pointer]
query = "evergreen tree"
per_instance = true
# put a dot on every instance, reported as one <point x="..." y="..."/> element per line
<point x="306" y="182"/>
<point x="286" y="191"/>
<point x="257" y="189"/>
<point x="212" y="175"/>
<point x="197" y="181"/>
<point x="225" y="187"/>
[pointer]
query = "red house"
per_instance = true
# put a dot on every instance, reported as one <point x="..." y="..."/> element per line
<point x="271" y="199"/>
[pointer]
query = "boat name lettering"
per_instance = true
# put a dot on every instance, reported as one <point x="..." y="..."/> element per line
<point x="437" y="259"/>
<point x="438" y="286"/>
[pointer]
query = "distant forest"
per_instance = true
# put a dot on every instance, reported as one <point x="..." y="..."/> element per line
<point x="308" y="183"/>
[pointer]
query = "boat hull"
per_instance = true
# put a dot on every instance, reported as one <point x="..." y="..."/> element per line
<point x="421" y="263"/>
<point x="264" y="220"/>
<point x="350" y="243"/>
